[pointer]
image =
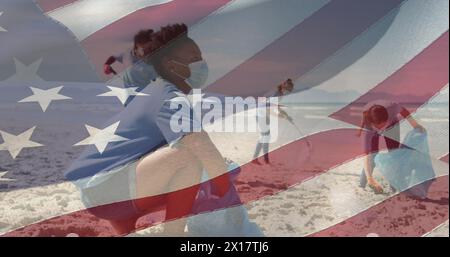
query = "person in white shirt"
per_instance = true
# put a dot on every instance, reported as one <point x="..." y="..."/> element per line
<point x="283" y="89"/>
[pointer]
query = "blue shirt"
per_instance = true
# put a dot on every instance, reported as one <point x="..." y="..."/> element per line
<point x="145" y="123"/>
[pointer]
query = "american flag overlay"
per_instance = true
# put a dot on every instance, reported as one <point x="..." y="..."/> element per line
<point x="85" y="144"/>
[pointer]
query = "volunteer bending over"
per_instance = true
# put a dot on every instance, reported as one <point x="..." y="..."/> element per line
<point x="381" y="117"/>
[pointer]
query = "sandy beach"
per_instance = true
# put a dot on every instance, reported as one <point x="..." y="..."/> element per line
<point x="299" y="211"/>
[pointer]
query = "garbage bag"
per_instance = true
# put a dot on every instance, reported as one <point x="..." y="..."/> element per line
<point x="408" y="168"/>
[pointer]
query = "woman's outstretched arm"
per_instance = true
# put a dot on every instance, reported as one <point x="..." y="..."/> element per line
<point x="407" y="115"/>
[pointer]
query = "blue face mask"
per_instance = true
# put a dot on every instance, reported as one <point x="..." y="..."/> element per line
<point x="199" y="73"/>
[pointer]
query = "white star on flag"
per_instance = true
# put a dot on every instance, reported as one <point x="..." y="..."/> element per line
<point x="123" y="93"/>
<point x="2" y="179"/>
<point x="1" y="28"/>
<point x="26" y="72"/>
<point x="45" y="97"/>
<point x="14" y="144"/>
<point x="101" y="138"/>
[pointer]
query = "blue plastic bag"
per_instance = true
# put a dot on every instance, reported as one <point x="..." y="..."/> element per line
<point x="408" y="168"/>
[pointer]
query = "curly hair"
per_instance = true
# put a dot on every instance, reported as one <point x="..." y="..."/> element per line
<point x="374" y="115"/>
<point x="165" y="40"/>
<point x="168" y="37"/>
<point x="169" y="33"/>
<point x="143" y="36"/>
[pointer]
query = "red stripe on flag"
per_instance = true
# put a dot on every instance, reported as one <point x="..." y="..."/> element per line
<point x="411" y="86"/>
<point x="254" y="182"/>
<point x="118" y="36"/>
<point x="304" y="47"/>
<point x="50" y="5"/>
<point x="444" y="158"/>
<point x="400" y="215"/>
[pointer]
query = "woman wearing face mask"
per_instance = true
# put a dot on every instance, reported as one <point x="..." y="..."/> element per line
<point x="152" y="158"/>
<point x="181" y="63"/>
<point x="138" y="71"/>
<point x="379" y="117"/>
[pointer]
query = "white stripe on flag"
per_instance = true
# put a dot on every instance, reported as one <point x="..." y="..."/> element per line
<point x="440" y="231"/>
<point x="437" y="129"/>
<point x="397" y="46"/>
<point x="407" y="36"/>
<point x="224" y="47"/>
<point x="317" y="203"/>
<point x="85" y="17"/>
<point x="333" y="197"/>
<point x="26" y="206"/>
<point x="260" y="23"/>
